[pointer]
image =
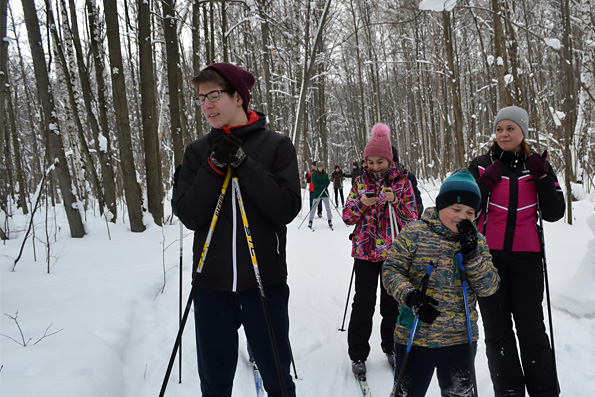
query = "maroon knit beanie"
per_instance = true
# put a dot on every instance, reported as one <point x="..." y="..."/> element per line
<point x="240" y="79"/>
<point x="379" y="144"/>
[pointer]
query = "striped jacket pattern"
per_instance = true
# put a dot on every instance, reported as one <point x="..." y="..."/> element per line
<point x="429" y="240"/>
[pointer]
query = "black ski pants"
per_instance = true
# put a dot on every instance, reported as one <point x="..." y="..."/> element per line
<point x="218" y="316"/>
<point x="453" y="364"/>
<point x="367" y="277"/>
<point x="519" y="298"/>
<point x="339" y="191"/>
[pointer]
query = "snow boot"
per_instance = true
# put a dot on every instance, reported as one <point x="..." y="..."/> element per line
<point x="358" y="367"/>
<point x="390" y="356"/>
<point x="330" y="223"/>
<point x="310" y="224"/>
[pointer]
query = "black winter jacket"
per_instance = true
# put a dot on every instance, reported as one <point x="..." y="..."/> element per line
<point x="270" y="187"/>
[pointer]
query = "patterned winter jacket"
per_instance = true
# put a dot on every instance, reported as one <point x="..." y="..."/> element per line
<point x="429" y="240"/>
<point x="372" y="236"/>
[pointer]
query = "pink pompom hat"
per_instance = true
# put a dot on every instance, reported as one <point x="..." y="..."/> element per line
<point x="379" y="144"/>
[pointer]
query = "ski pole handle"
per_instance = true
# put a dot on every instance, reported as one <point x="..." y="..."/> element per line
<point x="459" y="258"/>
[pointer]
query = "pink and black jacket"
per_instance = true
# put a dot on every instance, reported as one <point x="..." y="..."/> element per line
<point x="511" y="205"/>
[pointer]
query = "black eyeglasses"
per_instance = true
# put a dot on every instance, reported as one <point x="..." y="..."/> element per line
<point x="213" y="96"/>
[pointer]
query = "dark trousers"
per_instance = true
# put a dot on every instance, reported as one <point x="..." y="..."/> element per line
<point x="520" y="298"/>
<point x="218" y="316"/>
<point x="453" y="365"/>
<point x="367" y="276"/>
<point x="339" y="191"/>
<point x="319" y="203"/>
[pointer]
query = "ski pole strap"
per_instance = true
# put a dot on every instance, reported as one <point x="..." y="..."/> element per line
<point x="426" y="279"/>
<point x="459" y="259"/>
<point x="423" y="288"/>
<point x="461" y="265"/>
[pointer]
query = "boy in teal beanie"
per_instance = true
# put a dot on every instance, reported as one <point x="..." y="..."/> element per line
<point x="441" y="341"/>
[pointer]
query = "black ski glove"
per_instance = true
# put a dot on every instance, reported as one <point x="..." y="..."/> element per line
<point x="468" y="238"/>
<point x="227" y="150"/>
<point x="421" y="304"/>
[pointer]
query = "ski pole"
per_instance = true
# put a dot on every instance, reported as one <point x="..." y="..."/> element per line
<point x="331" y="201"/>
<point x="391" y="211"/>
<point x="547" y="293"/>
<point x="424" y="287"/>
<point x="198" y="270"/>
<point x="180" y="299"/>
<point x="347" y="301"/>
<point x="314" y="204"/>
<point x="459" y="259"/>
<point x="267" y="316"/>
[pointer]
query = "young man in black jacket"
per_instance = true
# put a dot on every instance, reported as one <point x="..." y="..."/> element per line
<point x="227" y="294"/>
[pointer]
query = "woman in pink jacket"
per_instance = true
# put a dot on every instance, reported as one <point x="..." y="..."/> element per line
<point x="515" y="183"/>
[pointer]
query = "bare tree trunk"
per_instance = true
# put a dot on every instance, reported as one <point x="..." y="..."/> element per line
<point x="266" y="58"/>
<point x="308" y="73"/>
<point x="69" y="82"/>
<point x="569" y="104"/>
<point x="56" y="148"/>
<point x="501" y="59"/>
<point x="454" y="89"/>
<point x="132" y="189"/>
<point x="148" y="112"/>
<point x="3" y="70"/>
<point x="173" y="60"/>
<point x="196" y="65"/>
<point x="18" y="162"/>
<point x="224" y="40"/>
<point x="103" y="146"/>
<point x="108" y="194"/>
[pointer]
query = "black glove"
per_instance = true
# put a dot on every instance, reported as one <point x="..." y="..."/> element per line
<point x="468" y="238"/>
<point x="491" y="175"/>
<point x="227" y="150"/>
<point x="537" y="165"/>
<point x="421" y="304"/>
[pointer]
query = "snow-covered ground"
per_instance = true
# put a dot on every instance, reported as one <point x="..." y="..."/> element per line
<point x="115" y="305"/>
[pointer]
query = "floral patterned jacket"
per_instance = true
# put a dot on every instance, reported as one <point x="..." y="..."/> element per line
<point x="372" y="236"/>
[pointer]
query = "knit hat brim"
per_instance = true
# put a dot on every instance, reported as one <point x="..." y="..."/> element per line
<point x="459" y="188"/>
<point x="515" y="114"/>
<point x="241" y="80"/>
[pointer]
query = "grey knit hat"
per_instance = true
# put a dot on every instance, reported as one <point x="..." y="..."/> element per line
<point x="516" y="114"/>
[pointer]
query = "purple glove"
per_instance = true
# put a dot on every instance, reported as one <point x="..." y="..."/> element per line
<point x="537" y="165"/>
<point x="491" y="175"/>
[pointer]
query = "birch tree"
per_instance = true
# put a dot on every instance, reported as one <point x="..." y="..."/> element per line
<point x="52" y="129"/>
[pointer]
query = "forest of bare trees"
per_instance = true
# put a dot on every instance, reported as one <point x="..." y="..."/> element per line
<point x="96" y="95"/>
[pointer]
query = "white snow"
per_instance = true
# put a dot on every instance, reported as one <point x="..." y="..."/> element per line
<point x="437" y="5"/>
<point x="116" y="329"/>
<point x="554" y="43"/>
